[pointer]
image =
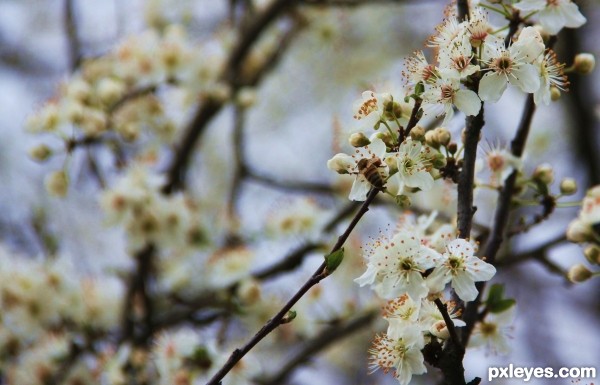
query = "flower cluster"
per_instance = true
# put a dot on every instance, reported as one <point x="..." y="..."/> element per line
<point x="150" y="217"/>
<point x="47" y="307"/>
<point x="383" y="162"/>
<point x="411" y="269"/>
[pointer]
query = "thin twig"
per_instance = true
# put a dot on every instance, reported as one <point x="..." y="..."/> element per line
<point x="449" y="324"/>
<point x="274" y="322"/>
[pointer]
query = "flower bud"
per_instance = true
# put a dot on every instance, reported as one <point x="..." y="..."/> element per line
<point x="592" y="254"/>
<point x="579" y="273"/>
<point x="431" y="139"/>
<point x="544" y="173"/>
<point x="578" y="231"/>
<point x="440" y="330"/>
<point x="57" y="184"/>
<point x="443" y="136"/>
<point x="392" y="164"/>
<point x="358" y="139"/>
<point x="386" y="137"/>
<point x="439" y="160"/>
<point x="246" y="97"/>
<point x="568" y="186"/>
<point x="403" y="201"/>
<point x="418" y="133"/>
<point x="40" y="153"/>
<point x="452" y="148"/>
<point x="584" y="63"/>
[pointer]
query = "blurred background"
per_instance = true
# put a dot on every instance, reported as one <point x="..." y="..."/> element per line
<point x="300" y="115"/>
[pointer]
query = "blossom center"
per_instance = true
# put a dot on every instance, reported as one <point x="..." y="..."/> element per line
<point x="406" y="265"/>
<point x="447" y="92"/>
<point x="366" y="108"/>
<point x="461" y="62"/>
<point x="502" y="64"/>
<point x="455" y="263"/>
<point x="488" y="329"/>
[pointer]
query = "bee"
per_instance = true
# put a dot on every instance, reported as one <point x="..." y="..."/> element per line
<point x="369" y="168"/>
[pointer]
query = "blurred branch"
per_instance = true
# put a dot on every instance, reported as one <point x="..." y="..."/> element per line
<point x="74" y="44"/>
<point x="325" y="339"/>
<point x="138" y="290"/>
<point x="246" y="38"/>
<point x="584" y="122"/>
<point x="290" y="185"/>
<point x="289" y="262"/>
<point x="539" y="253"/>
<point x="356" y="3"/>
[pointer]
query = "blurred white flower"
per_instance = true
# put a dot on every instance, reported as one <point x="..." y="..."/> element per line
<point x="553" y="15"/>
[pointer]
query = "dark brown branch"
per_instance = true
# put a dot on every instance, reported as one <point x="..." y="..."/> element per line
<point x="325" y="339"/>
<point x="414" y="118"/>
<point x="138" y="288"/>
<point x="502" y="214"/>
<point x="449" y="323"/>
<point x="462" y="6"/>
<point x="465" y="208"/>
<point x="274" y="322"/>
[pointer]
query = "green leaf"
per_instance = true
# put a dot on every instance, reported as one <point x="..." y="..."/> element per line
<point x="496" y="303"/>
<point x="502" y="305"/>
<point x="333" y="260"/>
<point x="289" y="317"/>
<point x="496" y="293"/>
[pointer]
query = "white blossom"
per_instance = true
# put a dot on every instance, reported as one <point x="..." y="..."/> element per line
<point x="493" y="332"/>
<point x="402" y="354"/>
<point x="459" y="265"/>
<point x="351" y="164"/>
<point x="370" y="109"/>
<point x="413" y="164"/>
<point x="512" y="65"/>
<point x="396" y="267"/>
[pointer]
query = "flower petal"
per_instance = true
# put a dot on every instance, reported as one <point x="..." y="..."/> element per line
<point x="526" y="77"/>
<point x="492" y="87"/>
<point x="467" y="102"/>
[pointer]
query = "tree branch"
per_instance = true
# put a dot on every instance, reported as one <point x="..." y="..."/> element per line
<point x="274" y="322"/>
